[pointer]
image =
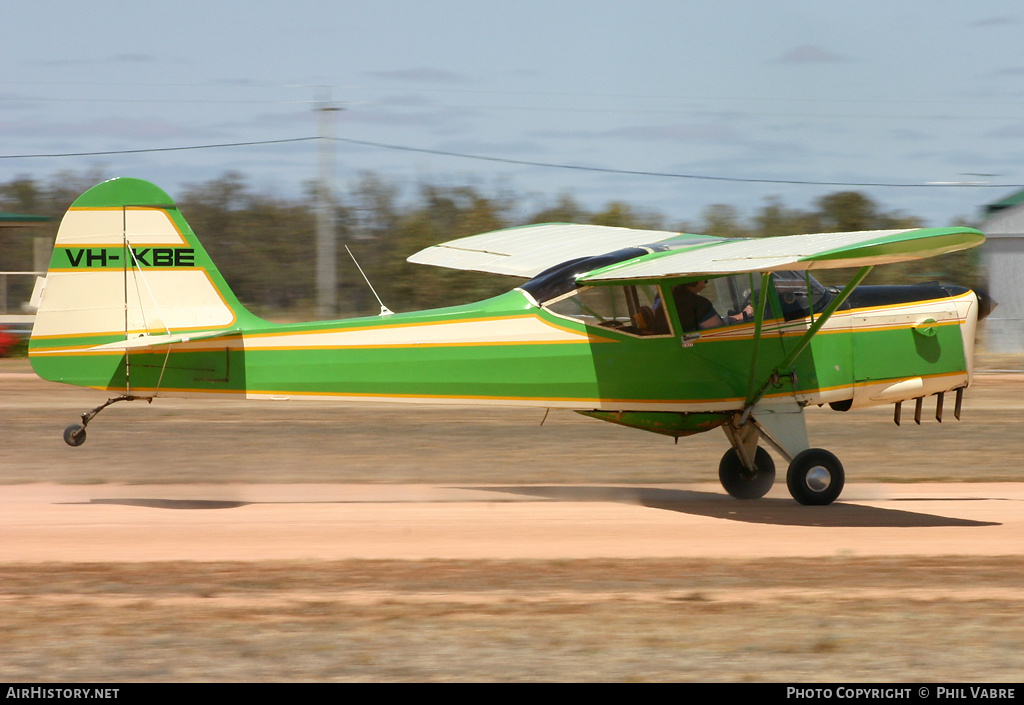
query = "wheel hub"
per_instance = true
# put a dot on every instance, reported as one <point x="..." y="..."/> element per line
<point x="818" y="478"/>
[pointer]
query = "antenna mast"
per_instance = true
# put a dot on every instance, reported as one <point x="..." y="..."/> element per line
<point x="384" y="310"/>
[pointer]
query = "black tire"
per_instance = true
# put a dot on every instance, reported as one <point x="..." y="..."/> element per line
<point x="815" y="477"/>
<point x="74" y="435"/>
<point x="740" y="482"/>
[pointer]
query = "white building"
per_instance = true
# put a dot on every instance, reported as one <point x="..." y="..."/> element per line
<point x="1004" y="257"/>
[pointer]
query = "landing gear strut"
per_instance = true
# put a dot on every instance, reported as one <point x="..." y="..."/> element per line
<point x="814" y="476"/>
<point x="74" y="435"/>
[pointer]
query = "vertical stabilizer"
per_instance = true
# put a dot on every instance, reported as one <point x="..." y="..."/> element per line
<point x="126" y="265"/>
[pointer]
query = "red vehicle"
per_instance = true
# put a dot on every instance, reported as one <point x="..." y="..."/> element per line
<point x="7" y="342"/>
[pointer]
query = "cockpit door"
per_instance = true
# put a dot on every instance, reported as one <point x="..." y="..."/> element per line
<point x="725" y="348"/>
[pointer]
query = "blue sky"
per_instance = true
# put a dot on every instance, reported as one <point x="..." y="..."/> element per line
<point x="753" y="94"/>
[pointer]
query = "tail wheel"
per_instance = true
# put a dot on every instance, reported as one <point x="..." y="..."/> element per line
<point x="815" y="477"/>
<point x="743" y="483"/>
<point x="74" y="435"/>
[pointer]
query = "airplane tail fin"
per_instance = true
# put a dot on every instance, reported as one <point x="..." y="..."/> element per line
<point x="126" y="269"/>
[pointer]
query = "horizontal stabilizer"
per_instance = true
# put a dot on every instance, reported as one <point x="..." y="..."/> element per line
<point x="156" y="341"/>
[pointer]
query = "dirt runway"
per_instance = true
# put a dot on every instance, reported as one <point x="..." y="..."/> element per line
<point x="118" y="523"/>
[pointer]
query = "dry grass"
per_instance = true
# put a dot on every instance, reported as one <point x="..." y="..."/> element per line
<point x="793" y="620"/>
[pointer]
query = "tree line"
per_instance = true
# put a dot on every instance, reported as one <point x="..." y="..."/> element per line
<point x="265" y="245"/>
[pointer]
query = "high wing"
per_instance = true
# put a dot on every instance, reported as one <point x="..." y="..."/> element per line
<point x="793" y="252"/>
<point x="529" y="250"/>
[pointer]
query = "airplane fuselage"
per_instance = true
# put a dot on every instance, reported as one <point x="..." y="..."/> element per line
<point x="510" y="351"/>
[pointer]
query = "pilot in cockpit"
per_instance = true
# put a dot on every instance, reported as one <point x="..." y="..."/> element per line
<point x="698" y="313"/>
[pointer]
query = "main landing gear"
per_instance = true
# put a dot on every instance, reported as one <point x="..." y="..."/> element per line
<point x="814" y="477"/>
<point x="74" y="435"/>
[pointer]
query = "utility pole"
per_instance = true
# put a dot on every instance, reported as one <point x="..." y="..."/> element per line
<point x="326" y="236"/>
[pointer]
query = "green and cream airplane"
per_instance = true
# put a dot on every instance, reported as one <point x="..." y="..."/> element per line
<point x="666" y="332"/>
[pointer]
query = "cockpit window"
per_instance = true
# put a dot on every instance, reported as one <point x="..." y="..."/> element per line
<point x="799" y="294"/>
<point x="724" y="301"/>
<point x="636" y="310"/>
<point x="729" y="300"/>
<point x="639" y="309"/>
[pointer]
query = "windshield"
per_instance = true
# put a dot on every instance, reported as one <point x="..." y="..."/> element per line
<point x="799" y="293"/>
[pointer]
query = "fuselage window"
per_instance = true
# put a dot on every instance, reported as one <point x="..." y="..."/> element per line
<point x="636" y="310"/>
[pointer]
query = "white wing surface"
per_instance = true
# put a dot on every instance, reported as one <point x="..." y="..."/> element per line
<point x="529" y="250"/>
<point x="796" y="252"/>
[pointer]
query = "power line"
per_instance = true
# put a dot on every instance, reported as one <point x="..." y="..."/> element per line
<point x="525" y="162"/>
<point x="662" y="174"/>
<point x="156" y="149"/>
